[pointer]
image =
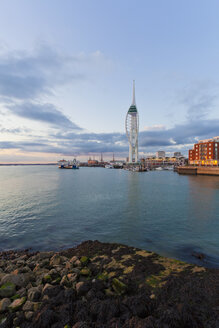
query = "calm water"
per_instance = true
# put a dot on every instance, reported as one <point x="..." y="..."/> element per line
<point x="45" y="208"/>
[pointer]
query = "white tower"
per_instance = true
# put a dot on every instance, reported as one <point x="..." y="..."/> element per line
<point x="132" y="127"/>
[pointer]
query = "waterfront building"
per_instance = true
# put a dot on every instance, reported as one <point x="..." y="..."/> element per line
<point x="132" y="128"/>
<point x="160" y="154"/>
<point x="177" y="154"/>
<point x="205" y="152"/>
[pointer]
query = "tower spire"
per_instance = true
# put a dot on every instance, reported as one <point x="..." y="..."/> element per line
<point x="133" y="98"/>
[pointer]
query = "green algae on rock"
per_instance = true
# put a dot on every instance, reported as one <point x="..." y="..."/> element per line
<point x="7" y="289"/>
<point x="17" y="304"/>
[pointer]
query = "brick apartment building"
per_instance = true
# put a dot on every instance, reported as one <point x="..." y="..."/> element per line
<point x="205" y="152"/>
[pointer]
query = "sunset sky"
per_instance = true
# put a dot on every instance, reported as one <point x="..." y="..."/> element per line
<point x="66" y="71"/>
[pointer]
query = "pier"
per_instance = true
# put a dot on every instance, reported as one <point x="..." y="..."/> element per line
<point x="198" y="170"/>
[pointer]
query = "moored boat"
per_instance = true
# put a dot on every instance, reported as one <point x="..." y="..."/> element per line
<point x="63" y="164"/>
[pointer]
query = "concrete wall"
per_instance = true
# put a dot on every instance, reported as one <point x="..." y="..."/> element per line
<point x="208" y="170"/>
<point x="198" y="170"/>
<point x="187" y="170"/>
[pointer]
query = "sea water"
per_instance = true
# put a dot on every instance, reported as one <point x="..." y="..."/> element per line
<point x="45" y="208"/>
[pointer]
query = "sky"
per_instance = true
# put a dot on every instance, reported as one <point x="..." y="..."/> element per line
<point x="66" y="72"/>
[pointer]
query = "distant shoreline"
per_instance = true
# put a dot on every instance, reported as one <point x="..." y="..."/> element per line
<point x="24" y="164"/>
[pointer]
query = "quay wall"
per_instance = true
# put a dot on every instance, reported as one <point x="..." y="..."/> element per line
<point x="198" y="170"/>
<point x="187" y="170"/>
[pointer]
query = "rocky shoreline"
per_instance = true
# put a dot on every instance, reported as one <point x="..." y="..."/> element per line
<point x="105" y="285"/>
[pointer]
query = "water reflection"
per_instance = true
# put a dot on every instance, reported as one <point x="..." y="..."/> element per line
<point x="203" y="192"/>
<point x="130" y="228"/>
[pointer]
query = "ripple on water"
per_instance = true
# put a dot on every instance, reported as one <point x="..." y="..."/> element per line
<point x="46" y="208"/>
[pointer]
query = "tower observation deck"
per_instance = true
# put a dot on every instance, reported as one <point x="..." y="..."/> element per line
<point x="132" y="128"/>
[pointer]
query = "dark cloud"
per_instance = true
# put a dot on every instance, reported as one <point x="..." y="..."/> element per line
<point x="26" y="75"/>
<point x="181" y="135"/>
<point x="42" y="112"/>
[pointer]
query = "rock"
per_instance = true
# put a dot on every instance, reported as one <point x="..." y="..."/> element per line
<point x="18" y="280"/>
<point x="75" y="270"/>
<point x="109" y="292"/>
<point x="10" y="268"/>
<point x="7" y="290"/>
<point x="55" y="260"/>
<point x="81" y="324"/>
<point x="68" y="265"/>
<point x="84" y="260"/>
<point x="199" y="256"/>
<point x="65" y="282"/>
<point x="56" y="281"/>
<point x="28" y="306"/>
<point x="64" y="272"/>
<point x="17" y="304"/>
<point x="3" y="322"/>
<point x="15" y="297"/>
<point x="16" y="322"/>
<point x="1" y="275"/>
<point x="85" y="272"/>
<point x="53" y="274"/>
<point x="47" y="278"/>
<point x="34" y="294"/>
<point x="98" y="285"/>
<point x="74" y="259"/>
<point x="51" y="291"/>
<point x="28" y="315"/>
<point x="72" y="277"/>
<point x="45" y="263"/>
<point x="139" y="305"/>
<point x="18" y="319"/>
<point x="118" y="286"/>
<point x="83" y="287"/>
<point x="44" y="255"/>
<point x="22" y="292"/>
<point x="36" y="267"/>
<point x="77" y="263"/>
<point x="46" y="318"/>
<point x="36" y="306"/>
<point x="29" y="286"/>
<point x="4" y="304"/>
<point x="2" y="263"/>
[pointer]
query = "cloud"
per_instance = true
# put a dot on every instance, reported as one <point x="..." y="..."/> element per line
<point x="155" y="127"/>
<point x="28" y="75"/>
<point x="181" y="136"/>
<point x="46" y="113"/>
<point x="199" y="99"/>
<point x="27" y="78"/>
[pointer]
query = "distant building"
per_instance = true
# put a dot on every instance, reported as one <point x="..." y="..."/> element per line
<point x="205" y="152"/>
<point x="160" y="153"/>
<point x="153" y="162"/>
<point x="177" y="154"/>
<point x="92" y="162"/>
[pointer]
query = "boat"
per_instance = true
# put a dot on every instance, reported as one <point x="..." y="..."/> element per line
<point x="136" y="169"/>
<point x="108" y="166"/>
<point x="73" y="165"/>
<point x="159" y="169"/>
